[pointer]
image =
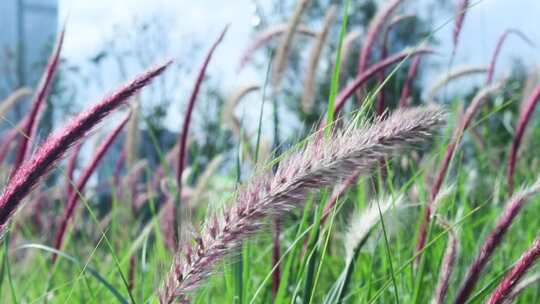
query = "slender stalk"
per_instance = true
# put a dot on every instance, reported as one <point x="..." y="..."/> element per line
<point x="523" y="120"/>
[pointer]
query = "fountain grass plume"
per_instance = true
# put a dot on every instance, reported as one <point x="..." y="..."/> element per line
<point x="374" y="28"/>
<point x="13" y="98"/>
<point x="454" y="74"/>
<point x="308" y="97"/>
<point x="59" y="143"/>
<point x="448" y="263"/>
<point x="380" y="104"/>
<point x="522" y="286"/>
<point x="265" y="37"/>
<point x="322" y="162"/>
<point x="503" y="292"/>
<point x="38" y="103"/>
<point x="191" y="105"/>
<point x="463" y="124"/>
<point x="204" y="179"/>
<point x="494" y="239"/>
<point x="183" y="136"/>
<point x="346" y="49"/>
<point x="407" y="84"/>
<point x="285" y="44"/>
<point x="230" y="119"/>
<point x="524" y="117"/>
<point x="81" y="183"/>
<point x="349" y="90"/>
<point x="498" y="47"/>
<point x="458" y="25"/>
<point x="362" y="223"/>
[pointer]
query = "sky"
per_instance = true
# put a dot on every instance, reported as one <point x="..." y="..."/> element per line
<point x="91" y="23"/>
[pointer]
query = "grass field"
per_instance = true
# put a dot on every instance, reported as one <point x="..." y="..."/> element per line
<point x="415" y="200"/>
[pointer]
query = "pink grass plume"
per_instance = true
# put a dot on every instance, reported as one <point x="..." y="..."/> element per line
<point x="322" y="162"/>
<point x="266" y="37"/>
<point x="81" y="183"/>
<point x="407" y="84"/>
<point x="380" y="103"/>
<point x="458" y="26"/>
<point x="374" y="28"/>
<point x="38" y="103"/>
<point x="494" y="239"/>
<point x="448" y="263"/>
<point x="523" y="120"/>
<point x="498" y="47"/>
<point x="183" y="139"/>
<point x="59" y="143"/>
<point x="191" y="105"/>
<point x="349" y="90"/>
<point x="464" y="123"/>
<point x="522" y="266"/>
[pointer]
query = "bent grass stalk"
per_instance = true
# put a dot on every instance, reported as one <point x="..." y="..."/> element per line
<point x="455" y="74"/>
<point x="524" y="117"/>
<point x="266" y="37"/>
<point x="498" y="47"/>
<point x="348" y="42"/>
